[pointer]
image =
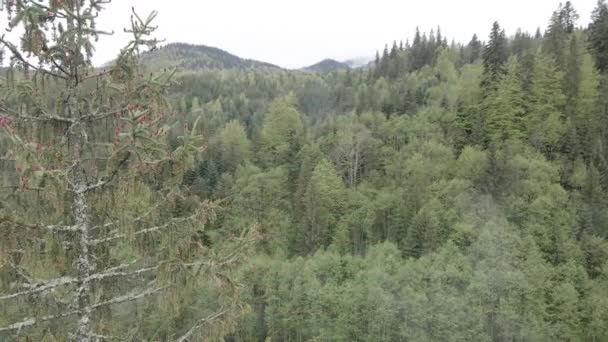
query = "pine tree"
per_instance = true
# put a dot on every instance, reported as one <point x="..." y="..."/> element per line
<point x="494" y="58"/>
<point x="96" y="215"/>
<point x="569" y="17"/>
<point x="556" y="36"/>
<point x="521" y="43"/>
<point x="598" y="35"/>
<point x="572" y="74"/>
<point x="385" y="62"/>
<point x="587" y="113"/>
<point x="561" y="26"/>
<point x="505" y="108"/>
<point x="417" y="52"/>
<point x="546" y="117"/>
<point x="474" y="49"/>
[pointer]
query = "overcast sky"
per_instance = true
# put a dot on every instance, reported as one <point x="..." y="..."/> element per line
<point x="298" y="33"/>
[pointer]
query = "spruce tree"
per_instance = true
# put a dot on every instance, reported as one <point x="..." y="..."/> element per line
<point x="556" y="38"/>
<point x="474" y="49"/>
<point x="494" y="58"/>
<point x="505" y="108"/>
<point x="598" y="35"/>
<point x="545" y="120"/>
<point x="100" y="239"/>
<point x="569" y="17"/>
<point x="572" y="74"/>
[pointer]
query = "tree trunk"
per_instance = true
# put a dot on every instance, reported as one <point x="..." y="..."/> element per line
<point x="81" y="215"/>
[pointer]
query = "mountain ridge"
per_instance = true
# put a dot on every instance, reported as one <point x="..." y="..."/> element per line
<point x="198" y="56"/>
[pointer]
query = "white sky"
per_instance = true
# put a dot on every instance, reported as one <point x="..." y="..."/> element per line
<point x="294" y="34"/>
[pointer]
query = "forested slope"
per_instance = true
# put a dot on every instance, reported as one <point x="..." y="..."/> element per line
<point x="451" y="192"/>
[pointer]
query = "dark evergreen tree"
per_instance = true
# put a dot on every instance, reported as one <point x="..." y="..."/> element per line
<point x="555" y="41"/>
<point x="474" y="49"/>
<point x="598" y="35"/>
<point x="572" y="75"/>
<point x="521" y="43"/>
<point x="494" y="58"/>
<point x="569" y="17"/>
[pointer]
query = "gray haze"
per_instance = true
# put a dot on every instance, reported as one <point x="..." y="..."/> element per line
<point x="293" y="34"/>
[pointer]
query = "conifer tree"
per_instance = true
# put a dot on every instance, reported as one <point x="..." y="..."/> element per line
<point x="561" y="25"/>
<point x="572" y="74"/>
<point x="569" y="17"/>
<point x="494" y="58"/>
<point x="324" y="199"/>
<point x="100" y="240"/>
<point x="505" y="108"/>
<point x="545" y="120"/>
<point x="598" y="35"/>
<point x="474" y="49"/>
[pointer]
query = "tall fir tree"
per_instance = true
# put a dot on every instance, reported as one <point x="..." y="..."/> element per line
<point x="494" y="58"/>
<point x="545" y="120"/>
<point x="569" y="17"/>
<point x="505" y="108"/>
<point x="598" y="35"/>
<point x="474" y="48"/>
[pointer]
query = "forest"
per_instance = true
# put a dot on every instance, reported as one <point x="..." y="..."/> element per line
<point x="447" y="191"/>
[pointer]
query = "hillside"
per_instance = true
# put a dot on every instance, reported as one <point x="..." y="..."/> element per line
<point x="196" y="57"/>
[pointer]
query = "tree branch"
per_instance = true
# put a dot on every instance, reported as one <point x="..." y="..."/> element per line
<point x="41" y="287"/>
<point x="28" y="322"/>
<point x="130" y="297"/>
<point x="43" y="117"/>
<point x="24" y="62"/>
<point x="52" y="228"/>
<point x="200" y="324"/>
<point x="102" y="183"/>
<point x="144" y="231"/>
<point x="47" y="285"/>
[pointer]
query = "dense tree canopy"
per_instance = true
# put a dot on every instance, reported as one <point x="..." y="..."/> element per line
<point x="451" y="192"/>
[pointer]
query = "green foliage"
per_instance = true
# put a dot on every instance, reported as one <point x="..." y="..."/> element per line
<point x="444" y="193"/>
<point x="283" y="130"/>
<point x="505" y="109"/>
<point x="545" y="121"/>
<point x="495" y="56"/>
<point x="324" y="202"/>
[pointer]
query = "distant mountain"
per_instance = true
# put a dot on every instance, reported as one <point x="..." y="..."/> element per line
<point x="359" y="62"/>
<point x="197" y="57"/>
<point x="326" y="66"/>
<point x="330" y="65"/>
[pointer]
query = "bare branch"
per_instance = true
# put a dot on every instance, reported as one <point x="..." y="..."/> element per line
<point x="51" y="228"/>
<point x="41" y="287"/>
<point x="43" y="117"/>
<point x="24" y="61"/>
<point x="104" y="182"/>
<point x="47" y="285"/>
<point x="144" y="231"/>
<point x="98" y="74"/>
<point x="29" y="322"/>
<point x="99" y="116"/>
<point x="130" y="297"/>
<point x="200" y="324"/>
